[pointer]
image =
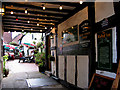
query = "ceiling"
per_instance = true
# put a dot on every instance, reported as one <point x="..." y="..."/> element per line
<point x="39" y="20"/>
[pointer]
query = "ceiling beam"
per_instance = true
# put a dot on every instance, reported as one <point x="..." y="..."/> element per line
<point x="35" y="7"/>
<point x="31" y="16"/>
<point x="18" y="27"/>
<point x="36" y="12"/>
<point x="12" y="30"/>
<point x="70" y="4"/>
<point x="7" y="18"/>
<point x="25" y="23"/>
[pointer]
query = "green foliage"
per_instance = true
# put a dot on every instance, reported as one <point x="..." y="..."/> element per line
<point x="40" y="45"/>
<point x="40" y="58"/>
<point x="49" y="56"/>
<point x="4" y="62"/>
<point x="34" y="42"/>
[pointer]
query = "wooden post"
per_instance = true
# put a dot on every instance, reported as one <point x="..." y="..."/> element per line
<point x="91" y="18"/>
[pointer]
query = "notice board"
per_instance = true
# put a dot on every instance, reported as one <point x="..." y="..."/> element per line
<point x="99" y="81"/>
<point x="104" y="51"/>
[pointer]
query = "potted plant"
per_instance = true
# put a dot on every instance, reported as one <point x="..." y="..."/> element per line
<point x="40" y="61"/>
<point x="51" y="58"/>
<point x="5" y="71"/>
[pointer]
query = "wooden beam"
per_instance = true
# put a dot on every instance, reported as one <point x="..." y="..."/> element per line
<point x="23" y="24"/>
<point x="26" y="23"/>
<point x="35" y="7"/>
<point x="31" y="16"/>
<point x="35" y="12"/>
<point x="25" y="20"/>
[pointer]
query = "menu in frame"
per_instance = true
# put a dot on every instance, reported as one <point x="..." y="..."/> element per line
<point x="104" y="45"/>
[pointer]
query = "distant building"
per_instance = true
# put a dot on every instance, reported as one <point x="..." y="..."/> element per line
<point x="7" y="37"/>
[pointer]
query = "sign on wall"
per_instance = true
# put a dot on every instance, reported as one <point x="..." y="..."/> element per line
<point x="104" y="45"/>
<point x="84" y="33"/>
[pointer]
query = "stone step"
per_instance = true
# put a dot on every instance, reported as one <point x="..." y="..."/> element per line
<point x="48" y="73"/>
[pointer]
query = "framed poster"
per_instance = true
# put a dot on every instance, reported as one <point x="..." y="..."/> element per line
<point x="104" y="49"/>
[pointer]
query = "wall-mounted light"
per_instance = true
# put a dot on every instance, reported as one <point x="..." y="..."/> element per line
<point x="11" y="12"/>
<point x="14" y="31"/>
<point x="81" y="1"/>
<point x="60" y="7"/>
<point x="2" y="11"/>
<point x="26" y="10"/>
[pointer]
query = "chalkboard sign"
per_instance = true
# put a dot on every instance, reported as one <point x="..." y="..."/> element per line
<point x="104" y="45"/>
<point x="99" y="81"/>
<point x="84" y="33"/>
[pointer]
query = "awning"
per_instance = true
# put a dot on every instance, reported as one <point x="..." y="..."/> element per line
<point x="10" y="47"/>
<point x="28" y="45"/>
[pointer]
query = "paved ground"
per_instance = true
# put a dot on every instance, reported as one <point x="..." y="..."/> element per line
<point x="20" y="73"/>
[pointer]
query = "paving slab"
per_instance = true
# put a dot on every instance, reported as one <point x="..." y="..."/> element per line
<point x="27" y="76"/>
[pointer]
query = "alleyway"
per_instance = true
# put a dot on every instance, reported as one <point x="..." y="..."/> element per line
<point x="26" y="75"/>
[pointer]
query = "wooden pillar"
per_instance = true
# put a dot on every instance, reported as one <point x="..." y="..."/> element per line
<point x="46" y="51"/>
<point x="56" y="41"/>
<point x="91" y="18"/>
<point x="117" y="15"/>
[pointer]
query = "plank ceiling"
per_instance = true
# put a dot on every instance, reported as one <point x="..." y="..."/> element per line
<point x="50" y="17"/>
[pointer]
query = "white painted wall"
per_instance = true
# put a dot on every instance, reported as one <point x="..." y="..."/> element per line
<point x="83" y="71"/>
<point x="71" y="69"/>
<point x="103" y="10"/>
<point x="61" y="66"/>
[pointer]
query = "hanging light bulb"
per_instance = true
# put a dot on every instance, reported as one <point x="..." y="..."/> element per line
<point x="22" y="30"/>
<point x="16" y="18"/>
<point x="51" y="28"/>
<point x="45" y="27"/>
<point x="31" y="29"/>
<point x="8" y="31"/>
<point x="11" y="12"/>
<point x="37" y="24"/>
<point x="60" y="7"/>
<point x="43" y="7"/>
<point x="28" y="21"/>
<point x="40" y="30"/>
<point x="26" y="10"/>
<point x="81" y="2"/>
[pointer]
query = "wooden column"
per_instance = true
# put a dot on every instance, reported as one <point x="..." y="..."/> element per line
<point x="91" y="18"/>
<point x="56" y="41"/>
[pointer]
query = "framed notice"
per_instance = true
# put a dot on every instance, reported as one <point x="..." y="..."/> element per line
<point x="104" y="50"/>
<point x="98" y="82"/>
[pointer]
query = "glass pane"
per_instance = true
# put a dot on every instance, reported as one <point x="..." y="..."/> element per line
<point x="70" y="35"/>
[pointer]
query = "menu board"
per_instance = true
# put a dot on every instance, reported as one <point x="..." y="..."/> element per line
<point x="84" y="33"/>
<point x="104" y="45"/>
<point x="98" y="82"/>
